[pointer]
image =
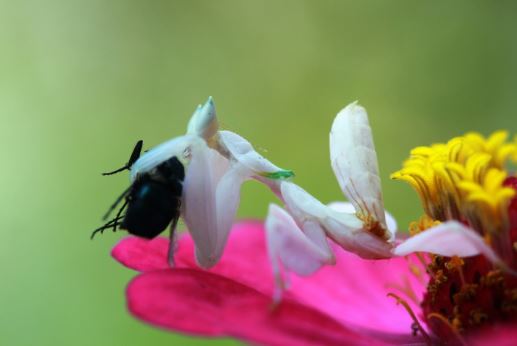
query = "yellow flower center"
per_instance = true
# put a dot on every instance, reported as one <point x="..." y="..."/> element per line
<point x="463" y="179"/>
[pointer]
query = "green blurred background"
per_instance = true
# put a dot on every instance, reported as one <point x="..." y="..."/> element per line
<point x="81" y="81"/>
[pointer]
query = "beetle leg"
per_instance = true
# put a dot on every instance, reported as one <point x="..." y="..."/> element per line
<point x="119" y="214"/>
<point x="115" y="222"/>
<point x="172" y="243"/>
<point x="117" y="201"/>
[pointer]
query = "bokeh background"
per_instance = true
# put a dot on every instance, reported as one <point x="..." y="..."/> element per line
<point x="81" y="81"/>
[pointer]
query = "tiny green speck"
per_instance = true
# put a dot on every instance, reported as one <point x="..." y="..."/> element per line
<point x="284" y="174"/>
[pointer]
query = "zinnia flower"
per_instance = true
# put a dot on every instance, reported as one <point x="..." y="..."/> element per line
<point x="459" y="278"/>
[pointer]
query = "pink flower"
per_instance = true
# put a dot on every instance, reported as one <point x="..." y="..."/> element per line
<point x="345" y="304"/>
<point x="466" y="241"/>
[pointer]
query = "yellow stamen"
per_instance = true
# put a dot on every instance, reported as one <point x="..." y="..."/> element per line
<point x="463" y="179"/>
<point x="422" y="224"/>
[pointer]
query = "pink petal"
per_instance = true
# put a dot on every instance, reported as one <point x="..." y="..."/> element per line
<point x="244" y="260"/>
<point x="142" y="254"/>
<point x="201" y="303"/>
<point x="352" y="292"/>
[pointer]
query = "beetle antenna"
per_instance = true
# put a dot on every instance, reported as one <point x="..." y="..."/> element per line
<point x="132" y="159"/>
<point x="117" y="201"/>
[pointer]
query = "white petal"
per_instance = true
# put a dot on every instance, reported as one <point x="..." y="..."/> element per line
<point x="227" y="201"/>
<point x="179" y="147"/>
<point x="199" y="200"/>
<point x="450" y="238"/>
<point x="342" y="207"/>
<point x="391" y="223"/>
<point x="203" y="122"/>
<point x="302" y="204"/>
<point x="346" y="207"/>
<point x="242" y="151"/>
<point x="317" y="236"/>
<point x="302" y="252"/>
<point x="354" y="161"/>
<point x="358" y="241"/>
<point x="210" y="201"/>
<point x="344" y="228"/>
